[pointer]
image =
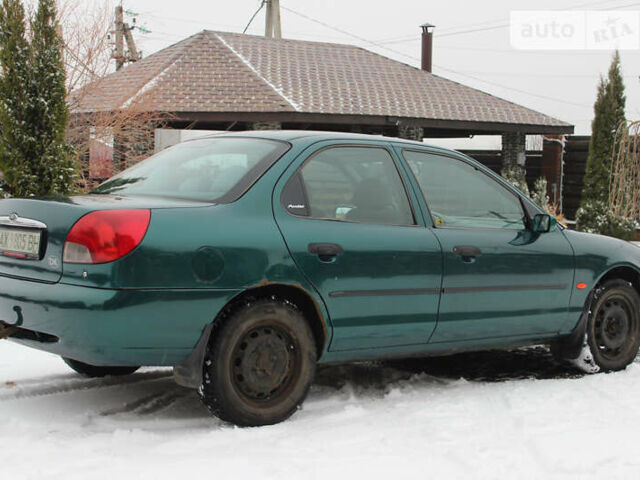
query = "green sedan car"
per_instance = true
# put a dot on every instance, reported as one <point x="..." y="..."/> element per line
<point x="245" y="259"/>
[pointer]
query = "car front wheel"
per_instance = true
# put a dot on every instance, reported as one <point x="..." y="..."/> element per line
<point x="613" y="328"/>
<point x="259" y="364"/>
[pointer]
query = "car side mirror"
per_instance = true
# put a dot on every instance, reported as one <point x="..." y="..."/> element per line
<point x="543" y="223"/>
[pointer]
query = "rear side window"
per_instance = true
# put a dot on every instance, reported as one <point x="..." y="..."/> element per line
<point x="459" y="195"/>
<point x="214" y="169"/>
<point x="357" y="184"/>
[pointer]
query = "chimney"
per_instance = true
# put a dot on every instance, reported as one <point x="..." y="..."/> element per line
<point x="427" y="46"/>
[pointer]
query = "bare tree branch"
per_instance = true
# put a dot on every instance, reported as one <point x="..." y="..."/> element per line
<point x="624" y="194"/>
<point x="123" y="136"/>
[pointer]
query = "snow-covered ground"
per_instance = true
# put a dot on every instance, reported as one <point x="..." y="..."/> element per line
<point x="494" y="415"/>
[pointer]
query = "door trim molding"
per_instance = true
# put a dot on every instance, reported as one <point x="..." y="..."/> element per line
<point x="436" y="291"/>
<point x="504" y="288"/>
<point x="374" y="293"/>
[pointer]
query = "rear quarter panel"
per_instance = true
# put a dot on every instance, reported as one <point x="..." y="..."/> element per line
<point x="242" y="235"/>
<point x="217" y="248"/>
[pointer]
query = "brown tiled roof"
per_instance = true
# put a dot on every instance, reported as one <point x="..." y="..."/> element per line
<point x="229" y="72"/>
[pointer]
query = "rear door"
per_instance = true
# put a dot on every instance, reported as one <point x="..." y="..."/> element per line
<point x="350" y="225"/>
<point x="499" y="279"/>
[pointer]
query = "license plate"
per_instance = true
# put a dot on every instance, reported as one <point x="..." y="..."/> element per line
<point x="21" y="241"/>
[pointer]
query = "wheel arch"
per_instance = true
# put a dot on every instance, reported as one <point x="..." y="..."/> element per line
<point x="571" y="345"/>
<point x="189" y="373"/>
<point x="625" y="272"/>
<point x="294" y="294"/>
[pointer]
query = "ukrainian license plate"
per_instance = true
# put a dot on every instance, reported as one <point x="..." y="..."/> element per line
<point x="21" y="241"/>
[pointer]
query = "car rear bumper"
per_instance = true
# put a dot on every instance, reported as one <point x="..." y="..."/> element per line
<point x="109" y="327"/>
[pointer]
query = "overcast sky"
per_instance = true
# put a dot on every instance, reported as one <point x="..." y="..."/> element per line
<point x="559" y="83"/>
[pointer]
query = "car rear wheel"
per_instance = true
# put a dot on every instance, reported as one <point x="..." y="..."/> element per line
<point x="259" y="364"/>
<point x="94" y="371"/>
<point x="613" y="328"/>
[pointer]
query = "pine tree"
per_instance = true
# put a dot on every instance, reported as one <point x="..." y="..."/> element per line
<point x="15" y="62"/>
<point x="34" y="156"/>
<point x="594" y="215"/>
<point x="55" y="166"/>
<point x="609" y="115"/>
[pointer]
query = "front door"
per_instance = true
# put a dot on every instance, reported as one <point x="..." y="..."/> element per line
<point x="349" y="223"/>
<point x="499" y="279"/>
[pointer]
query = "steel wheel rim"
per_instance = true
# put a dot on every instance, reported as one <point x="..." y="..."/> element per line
<point x="265" y="362"/>
<point x="614" y="323"/>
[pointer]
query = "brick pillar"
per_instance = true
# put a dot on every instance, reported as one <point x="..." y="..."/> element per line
<point x="410" y="132"/>
<point x="513" y="149"/>
<point x="266" y="126"/>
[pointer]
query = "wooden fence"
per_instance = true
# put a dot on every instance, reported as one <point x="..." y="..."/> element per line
<point x="493" y="160"/>
<point x="575" y="162"/>
<point x="576" y="150"/>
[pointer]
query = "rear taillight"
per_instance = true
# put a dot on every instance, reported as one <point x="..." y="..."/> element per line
<point x="105" y="236"/>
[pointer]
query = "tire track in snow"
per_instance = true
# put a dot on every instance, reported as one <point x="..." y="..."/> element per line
<point x="367" y="376"/>
<point x="149" y="404"/>
<point x="52" y="386"/>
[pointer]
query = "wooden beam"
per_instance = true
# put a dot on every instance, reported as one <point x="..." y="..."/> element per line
<point x="448" y="128"/>
<point x="463" y="128"/>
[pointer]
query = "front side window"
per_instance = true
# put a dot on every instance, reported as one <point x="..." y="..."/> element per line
<point x="358" y="184"/>
<point x="459" y="195"/>
<point x="213" y="169"/>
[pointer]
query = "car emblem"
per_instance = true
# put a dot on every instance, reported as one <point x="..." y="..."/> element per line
<point x="13" y="217"/>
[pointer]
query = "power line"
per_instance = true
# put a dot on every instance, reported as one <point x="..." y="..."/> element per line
<point x="474" y="30"/>
<point x="538" y="75"/>
<point x="559" y="100"/>
<point x="397" y="52"/>
<point x="471" y="29"/>
<point x="497" y="20"/>
<point x="488" y="82"/>
<point x="572" y="7"/>
<point x="236" y="28"/>
<point x="546" y="53"/>
<point x="401" y="38"/>
<point x="166" y="35"/>
<point x="254" y="16"/>
<point x="319" y="22"/>
<point x="190" y="20"/>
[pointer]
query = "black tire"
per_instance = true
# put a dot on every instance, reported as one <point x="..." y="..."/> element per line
<point x="259" y="364"/>
<point x="613" y="326"/>
<point x="93" y="371"/>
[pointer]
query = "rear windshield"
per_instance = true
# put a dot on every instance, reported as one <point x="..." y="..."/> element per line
<point x="216" y="170"/>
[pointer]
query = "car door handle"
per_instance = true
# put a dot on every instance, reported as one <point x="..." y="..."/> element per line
<point x="468" y="253"/>
<point x="325" y="250"/>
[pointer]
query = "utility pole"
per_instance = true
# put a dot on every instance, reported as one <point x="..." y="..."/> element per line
<point x="123" y="33"/>
<point x="273" y="27"/>
<point x="134" y="55"/>
<point x="119" y="52"/>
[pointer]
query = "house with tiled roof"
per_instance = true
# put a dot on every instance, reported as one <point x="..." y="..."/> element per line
<point x="229" y="81"/>
<point x="216" y="78"/>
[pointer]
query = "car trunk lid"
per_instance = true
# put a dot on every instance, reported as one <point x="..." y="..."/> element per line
<point x="22" y="221"/>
